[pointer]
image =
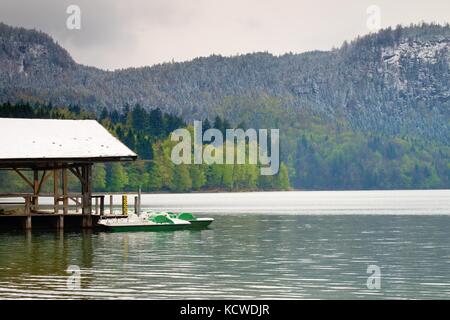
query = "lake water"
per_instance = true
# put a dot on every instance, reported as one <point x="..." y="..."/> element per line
<point x="294" y="245"/>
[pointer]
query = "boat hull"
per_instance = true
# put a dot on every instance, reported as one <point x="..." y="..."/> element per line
<point x="135" y="228"/>
<point x="200" y="223"/>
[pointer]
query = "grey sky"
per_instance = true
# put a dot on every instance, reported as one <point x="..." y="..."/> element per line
<point x="132" y="33"/>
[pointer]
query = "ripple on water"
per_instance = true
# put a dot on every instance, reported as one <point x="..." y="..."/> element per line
<point x="266" y="257"/>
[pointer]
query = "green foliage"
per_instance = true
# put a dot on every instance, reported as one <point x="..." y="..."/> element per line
<point x="198" y="177"/>
<point x="118" y="178"/>
<point x="99" y="177"/>
<point x="282" y="179"/>
<point x="332" y="159"/>
<point x="315" y="154"/>
<point x="182" y="181"/>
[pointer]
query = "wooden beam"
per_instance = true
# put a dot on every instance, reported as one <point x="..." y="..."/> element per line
<point x="74" y="199"/>
<point x="64" y="191"/>
<point x="27" y="223"/>
<point x="77" y="169"/>
<point x="24" y="178"/>
<point x="28" y="205"/>
<point x="35" y="200"/>
<point x="43" y="179"/>
<point x="86" y="190"/>
<point x="96" y="205"/>
<point x="56" y="190"/>
<point x="77" y="174"/>
<point x="102" y="205"/>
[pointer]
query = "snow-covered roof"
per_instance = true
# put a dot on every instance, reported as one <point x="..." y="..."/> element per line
<point x="24" y="139"/>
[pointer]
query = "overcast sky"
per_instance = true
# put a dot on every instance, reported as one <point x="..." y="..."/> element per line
<point x="132" y="33"/>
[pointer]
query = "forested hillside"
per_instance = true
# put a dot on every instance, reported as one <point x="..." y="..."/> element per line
<point x="323" y="156"/>
<point x="372" y="114"/>
<point x="148" y="134"/>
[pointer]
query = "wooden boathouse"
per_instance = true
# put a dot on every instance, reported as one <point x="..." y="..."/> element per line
<point x="37" y="149"/>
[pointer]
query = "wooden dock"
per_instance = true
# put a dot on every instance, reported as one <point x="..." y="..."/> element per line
<point x="26" y="215"/>
<point x="46" y="221"/>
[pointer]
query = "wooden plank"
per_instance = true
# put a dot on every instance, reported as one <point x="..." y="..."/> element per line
<point x="13" y="195"/>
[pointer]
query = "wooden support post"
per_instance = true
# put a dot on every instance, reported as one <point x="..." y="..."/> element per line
<point x="136" y="205"/>
<point x="45" y="176"/>
<point x="102" y="205"/>
<point x="64" y="191"/>
<point x="76" y="199"/>
<point x="35" y="200"/>
<point x="60" y="222"/>
<point x="96" y="206"/>
<point x="139" y="202"/>
<point x="28" y="223"/>
<point x="28" y="205"/>
<point x="124" y="205"/>
<point x="86" y="183"/>
<point x="111" y="204"/>
<point x="28" y="213"/>
<point x="55" y="190"/>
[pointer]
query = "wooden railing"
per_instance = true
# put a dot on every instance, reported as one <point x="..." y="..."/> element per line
<point x="29" y="200"/>
<point x="27" y="203"/>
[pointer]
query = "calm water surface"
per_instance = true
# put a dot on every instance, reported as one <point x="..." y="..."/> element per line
<point x="322" y="251"/>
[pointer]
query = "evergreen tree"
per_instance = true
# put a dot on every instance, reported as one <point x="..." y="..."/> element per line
<point x="206" y="125"/>
<point x="104" y="114"/>
<point x="156" y="127"/>
<point x="218" y="124"/>
<point x="140" y="118"/>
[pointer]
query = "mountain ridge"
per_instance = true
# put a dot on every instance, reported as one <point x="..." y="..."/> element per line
<point x="393" y="82"/>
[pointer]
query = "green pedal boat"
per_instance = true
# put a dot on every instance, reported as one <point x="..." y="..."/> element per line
<point x="154" y="221"/>
<point x="196" y="223"/>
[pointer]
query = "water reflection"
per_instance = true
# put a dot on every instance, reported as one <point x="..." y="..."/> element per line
<point x="248" y="256"/>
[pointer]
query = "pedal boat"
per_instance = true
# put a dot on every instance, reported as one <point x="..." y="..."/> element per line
<point x="143" y="223"/>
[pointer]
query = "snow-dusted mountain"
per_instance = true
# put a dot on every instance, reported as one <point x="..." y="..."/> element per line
<point x="394" y="82"/>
